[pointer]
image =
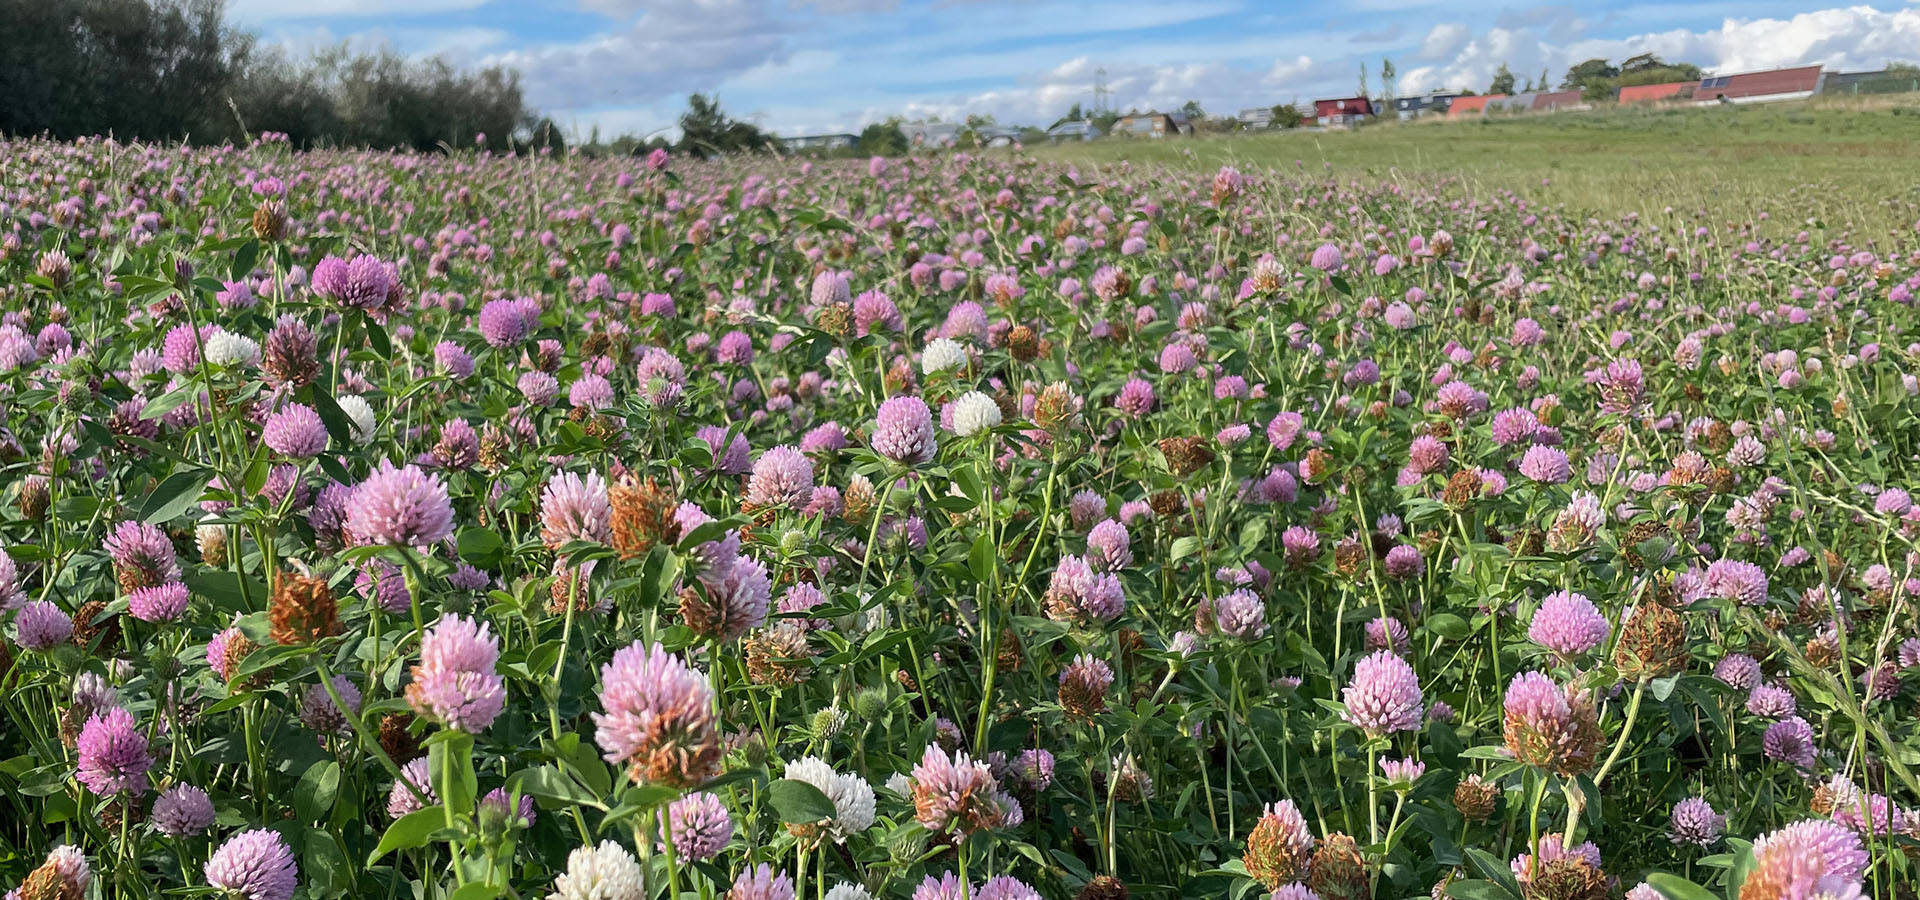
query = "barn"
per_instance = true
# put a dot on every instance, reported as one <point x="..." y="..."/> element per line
<point x="1653" y="93"/>
<point x="1760" y="87"/>
<point x="1472" y="106"/>
<point x="1343" y="111"/>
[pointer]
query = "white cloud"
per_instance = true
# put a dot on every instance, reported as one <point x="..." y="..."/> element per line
<point x="1444" y="40"/>
<point x="458" y="44"/>
<point x="671" y="50"/>
<point x="252" y="12"/>
<point x="1858" y="37"/>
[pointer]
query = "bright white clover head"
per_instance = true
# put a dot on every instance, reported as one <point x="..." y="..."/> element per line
<point x="851" y="795"/>
<point x="225" y="348"/>
<point x="941" y="356"/>
<point x="360" y="412"/>
<point x="606" y="872"/>
<point x="973" y="413"/>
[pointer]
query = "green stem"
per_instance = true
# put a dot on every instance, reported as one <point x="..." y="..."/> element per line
<point x="1626" y="730"/>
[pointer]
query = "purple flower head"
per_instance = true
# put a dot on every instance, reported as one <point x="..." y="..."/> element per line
<point x="1240" y="614"/>
<point x="320" y="714"/>
<point x="738" y="598"/>
<point x="1514" y="426"/>
<point x="1737" y="580"/>
<point x="761" y="882"/>
<point x="1108" y="546"/>
<point x="946" y="887"/>
<point x="1387" y="634"/>
<point x="1006" y="887"/>
<point x="1427" y="455"/>
<point x="1404" y="562"/>
<point x="505" y="323"/>
<point x="1738" y="671"/>
<point x="455" y="682"/>
<point x="400" y="506"/>
<point x="254" y="865"/>
<point x="658" y="717"/>
<point x="903" y="431"/>
<point x="296" y="431"/>
<point x="1789" y="740"/>
<point x="1035" y="769"/>
<point x="1284" y="428"/>
<point x="782" y="476"/>
<point x="954" y="792"/>
<point x="142" y="555"/>
<point x="575" y="508"/>
<point x="453" y="359"/>
<point x="42" y="625"/>
<point x="402" y="800"/>
<point x="161" y="603"/>
<point x="1568" y="624"/>
<point x="1807" y="859"/>
<point x="1326" y="258"/>
<point x="1402" y="773"/>
<point x="1551" y="850"/>
<point x="874" y="311"/>
<point x="1383" y="696"/>
<point x="498" y="807"/>
<point x="1135" y="398"/>
<point x="181" y="811"/>
<point x="113" y="754"/>
<point x="359" y="283"/>
<point x="1694" y="822"/>
<point x="590" y="392"/>
<point x="699" y="826"/>
<point x="1077" y="594"/>
<point x="1547" y="465"/>
<point x="1300" y="546"/>
<point x="1771" y="701"/>
<point x="1085" y="507"/>
<point x="385" y="584"/>
<point x="1549" y="725"/>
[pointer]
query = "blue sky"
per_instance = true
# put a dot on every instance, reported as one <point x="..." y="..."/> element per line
<point x="809" y="66"/>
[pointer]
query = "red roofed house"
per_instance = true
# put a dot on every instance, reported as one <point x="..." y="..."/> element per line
<point x="1760" y="87"/>
<point x="1648" y="93"/>
<point x="1344" y="111"/>
<point x="1471" y="105"/>
<point x="1558" y="100"/>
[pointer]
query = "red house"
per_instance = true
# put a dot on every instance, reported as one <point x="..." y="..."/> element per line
<point x="1760" y="87"/>
<point x="1345" y="111"/>
<point x="1653" y="93"/>
<point x="1471" y="106"/>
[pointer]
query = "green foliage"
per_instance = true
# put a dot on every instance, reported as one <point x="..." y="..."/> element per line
<point x="1582" y="74"/>
<point x="1502" y="81"/>
<point x="173" y="70"/>
<point x="882" y="139"/>
<point x="706" y="130"/>
<point x="341" y="98"/>
<point x="135" y="68"/>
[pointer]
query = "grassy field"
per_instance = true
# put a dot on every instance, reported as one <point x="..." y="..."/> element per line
<point x="1844" y="160"/>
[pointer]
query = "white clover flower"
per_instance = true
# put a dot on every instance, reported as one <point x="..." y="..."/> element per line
<point x="851" y="795"/>
<point x="225" y="348"/>
<point x="942" y="355"/>
<point x="361" y="412"/>
<point x="848" y="891"/>
<point x="606" y="872"/>
<point x="973" y="413"/>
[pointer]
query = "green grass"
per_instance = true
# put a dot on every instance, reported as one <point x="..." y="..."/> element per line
<point x="1851" y="160"/>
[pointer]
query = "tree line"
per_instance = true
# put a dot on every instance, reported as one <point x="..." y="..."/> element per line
<point x="175" y="70"/>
